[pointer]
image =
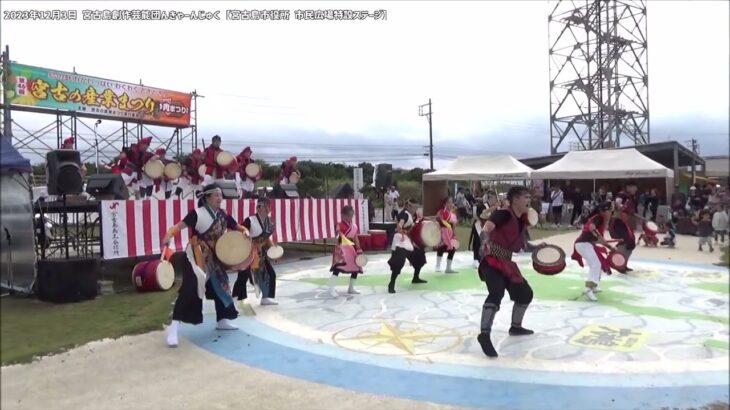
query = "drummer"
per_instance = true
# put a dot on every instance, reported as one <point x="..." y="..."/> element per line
<point x="245" y="183"/>
<point x="347" y="249"/>
<point x="138" y="157"/>
<point x="475" y="242"/>
<point x="622" y="227"/>
<point x="287" y="167"/>
<point x="163" y="183"/>
<point x="585" y="247"/>
<point x="203" y="275"/>
<point x="404" y="249"/>
<point x="447" y="220"/>
<point x="261" y="228"/>
<point x="191" y="179"/>
<point x="212" y="169"/>
<point x="504" y="233"/>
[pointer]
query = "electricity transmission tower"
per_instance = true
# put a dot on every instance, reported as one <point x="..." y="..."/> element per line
<point x="599" y="79"/>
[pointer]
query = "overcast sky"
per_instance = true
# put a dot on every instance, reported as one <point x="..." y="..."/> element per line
<point x="350" y="90"/>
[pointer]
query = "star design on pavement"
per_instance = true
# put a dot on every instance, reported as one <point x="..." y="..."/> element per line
<point x="403" y="340"/>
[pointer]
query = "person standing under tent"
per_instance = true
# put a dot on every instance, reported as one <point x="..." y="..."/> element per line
<point x="262" y="271"/>
<point x="504" y="234"/>
<point x="204" y="277"/>
<point x="404" y="249"/>
<point x="346" y="251"/>
<point x="556" y="204"/>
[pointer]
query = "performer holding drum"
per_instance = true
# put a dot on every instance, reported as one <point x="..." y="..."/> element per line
<point x="288" y="173"/>
<point x="215" y="168"/>
<point x="191" y="177"/>
<point x="447" y="220"/>
<point x="261" y="270"/>
<point x="404" y="249"/>
<point x="348" y="256"/>
<point x="622" y="227"/>
<point x="204" y="274"/>
<point x="248" y="173"/>
<point x="503" y="234"/>
<point x="138" y="157"/>
<point x="586" y="247"/>
<point x="475" y="242"/>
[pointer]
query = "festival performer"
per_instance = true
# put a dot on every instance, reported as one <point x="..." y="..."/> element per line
<point x="475" y="243"/>
<point x="586" y="247"/>
<point x="191" y="179"/>
<point x="69" y="143"/>
<point x="212" y="169"/>
<point x="347" y="249"/>
<point x="138" y="157"/>
<point x="503" y="234"/>
<point x="287" y="167"/>
<point x="163" y="183"/>
<point x="119" y="163"/>
<point x="404" y="249"/>
<point x="261" y="229"/>
<point x="447" y="220"/>
<point x="622" y="227"/>
<point x="203" y="275"/>
<point x="245" y="183"/>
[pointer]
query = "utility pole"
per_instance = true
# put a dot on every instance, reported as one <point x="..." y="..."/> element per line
<point x="422" y="113"/>
<point x="7" y="120"/>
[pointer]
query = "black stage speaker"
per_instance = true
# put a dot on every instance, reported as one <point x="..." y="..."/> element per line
<point x="67" y="280"/>
<point x="285" y="191"/>
<point x="383" y="176"/>
<point x="63" y="172"/>
<point x="229" y="188"/>
<point x="106" y="186"/>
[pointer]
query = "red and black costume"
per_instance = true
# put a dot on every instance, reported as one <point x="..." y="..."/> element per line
<point x="68" y="143"/>
<point x="622" y="226"/>
<point x="190" y="167"/>
<point x="287" y="167"/>
<point x="211" y="165"/>
<point x="500" y="273"/>
<point x="403" y="249"/>
<point x="587" y="236"/>
<point x="137" y="158"/>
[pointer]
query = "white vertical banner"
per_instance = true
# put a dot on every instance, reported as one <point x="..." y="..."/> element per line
<point x="358" y="182"/>
<point x="364" y="217"/>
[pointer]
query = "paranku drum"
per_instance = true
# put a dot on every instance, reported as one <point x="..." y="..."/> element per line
<point x="173" y="170"/>
<point x="617" y="260"/>
<point x="155" y="275"/>
<point x="455" y="243"/>
<point x="650" y="228"/>
<point x="425" y="234"/>
<point x="202" y="170"/>
<point x="224" y="158"/>
<point x="154" y="168"/>
<point x="548" y="260"/>
<point x="532" y="217"/>
<point x="361" y="260"/>
<point x="233" y="248"/>
<point x="275" y="252"/>
<point x="253" y="170"/>
<point x="294" y="177"/>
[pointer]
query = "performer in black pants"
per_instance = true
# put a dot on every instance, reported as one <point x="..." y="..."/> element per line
<point x="475" y="242"/>
<point x="404" y="249"/>
<point x="504" y="234"/>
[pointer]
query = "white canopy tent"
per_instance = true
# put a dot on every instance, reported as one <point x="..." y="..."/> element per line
<point x="625" y="163"/>
<point x="470" y="168"/>
<point x="481" y="168"/>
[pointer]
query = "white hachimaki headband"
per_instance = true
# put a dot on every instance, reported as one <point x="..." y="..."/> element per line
<point x="210" y="191"/>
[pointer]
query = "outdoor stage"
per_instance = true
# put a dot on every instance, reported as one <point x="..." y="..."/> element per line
<point x="657" y="338"/>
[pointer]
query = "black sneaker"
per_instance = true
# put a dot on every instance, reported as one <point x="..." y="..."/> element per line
<point x="419" y="280"/>
<point x="486" y="343"/>
<point x="519" y="331"/>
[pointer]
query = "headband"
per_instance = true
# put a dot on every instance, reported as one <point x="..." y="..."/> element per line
<point x="210" y="191"/>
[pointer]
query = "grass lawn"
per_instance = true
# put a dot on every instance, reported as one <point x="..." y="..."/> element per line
<point x="33" y="328"/>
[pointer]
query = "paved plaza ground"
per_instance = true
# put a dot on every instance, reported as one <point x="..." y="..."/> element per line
<point x="657" y="338"/>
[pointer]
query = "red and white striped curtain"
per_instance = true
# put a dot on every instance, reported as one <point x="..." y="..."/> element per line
<point x="136" y="228"/>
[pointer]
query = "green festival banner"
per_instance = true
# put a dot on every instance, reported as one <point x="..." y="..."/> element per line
<point x="38" y="87"/>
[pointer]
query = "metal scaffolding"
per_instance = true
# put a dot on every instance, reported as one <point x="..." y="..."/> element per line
<point x="599" y="79"/>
